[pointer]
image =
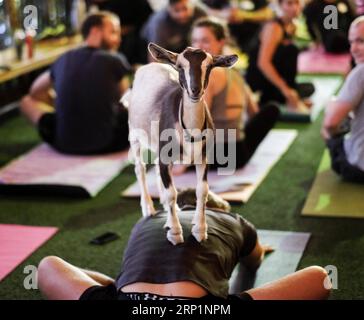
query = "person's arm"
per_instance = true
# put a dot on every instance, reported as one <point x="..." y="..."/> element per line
<point x="252" y="105"/>
<point x="350" y="97"/>
<point x="39" y="100"/>
<point x="255" y="258"/>
<point x="335" y="113"/>
<point x="40" y="88"/>
<point x="271" y="36"/>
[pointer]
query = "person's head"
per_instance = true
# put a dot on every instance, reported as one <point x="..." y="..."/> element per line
<point x="181" y="11"/>
<point x="356" y="39"/>
<point x="290" y="9"/>
<point x="210" y="35"/>
<point x="102" y="30"/>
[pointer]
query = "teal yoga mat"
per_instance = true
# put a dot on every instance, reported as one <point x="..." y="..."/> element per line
<point x="289" y="247"/>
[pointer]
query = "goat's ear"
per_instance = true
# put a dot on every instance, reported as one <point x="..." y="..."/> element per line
<point x="162" y="55"/>
<point x="225" y="61"/>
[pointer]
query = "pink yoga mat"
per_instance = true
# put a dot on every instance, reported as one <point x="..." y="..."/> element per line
<point x="18" y="242"/>
<point x="319" y="62"/>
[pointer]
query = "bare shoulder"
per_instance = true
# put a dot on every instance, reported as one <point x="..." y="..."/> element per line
<point x="272" y="30"/>
<point x="217" y="79"/>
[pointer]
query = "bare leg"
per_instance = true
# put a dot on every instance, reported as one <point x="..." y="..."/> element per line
<point x="59" y="280"/>
<point x="101" y="278"/>
<point x="305" y="284"/>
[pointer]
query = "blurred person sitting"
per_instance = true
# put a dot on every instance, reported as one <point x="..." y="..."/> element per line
<point x="133" y="15"/>
<point x="345" y="137"/>
<point x="230" y="99"/>
<point x="170" y="27"/>
<point x="272" y="67"/>
<point x="85" y="116"/>
<point x="245" y="18"/>
<point x="334" y="40"/>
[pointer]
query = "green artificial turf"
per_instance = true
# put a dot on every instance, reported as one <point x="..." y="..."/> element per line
<point x="276" y="205"/>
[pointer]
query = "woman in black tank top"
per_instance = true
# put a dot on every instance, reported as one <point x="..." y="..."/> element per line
<point x="273" y="61"/>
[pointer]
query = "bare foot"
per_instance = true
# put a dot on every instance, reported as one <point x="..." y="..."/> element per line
<point x="308" y="103"/>
<point x="302" y="108"/>
<point x="299" y="108"/>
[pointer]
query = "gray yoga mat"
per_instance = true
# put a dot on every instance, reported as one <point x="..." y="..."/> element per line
<point x="289" y="247"/>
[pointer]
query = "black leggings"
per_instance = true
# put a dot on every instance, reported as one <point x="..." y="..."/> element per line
<point x="255" y="131"/>
<point x="272" y="94"/>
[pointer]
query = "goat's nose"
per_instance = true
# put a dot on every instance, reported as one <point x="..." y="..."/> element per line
<point x="195" y="90"/>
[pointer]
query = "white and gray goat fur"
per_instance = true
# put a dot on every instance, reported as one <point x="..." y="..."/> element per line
<point x="170" y="93"/>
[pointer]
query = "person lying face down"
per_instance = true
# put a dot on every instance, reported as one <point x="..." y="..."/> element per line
<point x="192" y="270"/>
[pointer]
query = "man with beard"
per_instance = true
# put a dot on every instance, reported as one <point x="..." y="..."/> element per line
<point x="85" y="116"/>
<point x="171" y="26"/>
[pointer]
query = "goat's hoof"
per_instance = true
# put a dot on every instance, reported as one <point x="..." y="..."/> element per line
<point x="200" y="233"/>
<point x="174" y="238"/>
<point x="174" y="234"/>
<point x="151" y="212"/>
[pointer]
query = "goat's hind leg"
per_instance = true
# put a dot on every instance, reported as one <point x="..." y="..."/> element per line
<point x="146" y="201"/>
<point x="199" y="229"/>
<point x="173" y="226"/>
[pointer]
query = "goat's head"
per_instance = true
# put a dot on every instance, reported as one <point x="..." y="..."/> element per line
<point x="194" y="66"/>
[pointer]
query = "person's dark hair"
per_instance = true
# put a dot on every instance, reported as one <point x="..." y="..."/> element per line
<point x="219" y="30"/>
<point x="95" y="20"/>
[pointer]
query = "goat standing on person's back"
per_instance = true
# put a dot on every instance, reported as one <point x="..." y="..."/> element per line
<point x="170" y="94"/>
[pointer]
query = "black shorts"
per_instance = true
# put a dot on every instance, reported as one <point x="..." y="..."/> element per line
<point x="110" y="292"/>
<point x="47" y="127"/>
<point x="339" y="162"/>
<point x="47" y="130"/>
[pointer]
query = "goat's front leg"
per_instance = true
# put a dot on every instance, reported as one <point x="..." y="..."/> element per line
<point x="161" y="190"/>
<point x="146" y="201"/>
<point x="173" y="226"/>
<point x="199" y="229"/>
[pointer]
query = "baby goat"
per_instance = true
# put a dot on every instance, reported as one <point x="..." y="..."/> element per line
<point x="170" y="96"/>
